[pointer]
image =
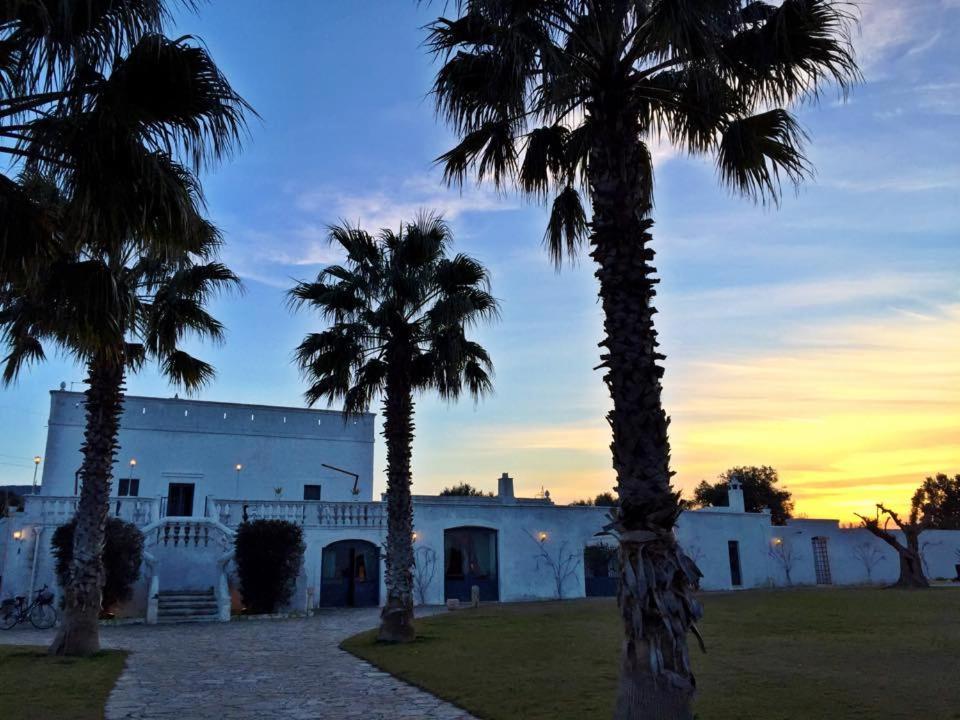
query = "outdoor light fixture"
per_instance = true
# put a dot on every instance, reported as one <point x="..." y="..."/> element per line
<point x="355" y="476"/>
<point x="778" y="541"/>
<point x="239" y="467"/>
<point x="18" y="535"/>
<point x="542" y="537"/>
<point x="414" y="536"/>
<point x="36" y="466"/>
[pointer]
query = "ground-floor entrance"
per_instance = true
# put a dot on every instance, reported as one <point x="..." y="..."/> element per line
<point x="600" y="570"/>
<point x="350" y="574"/>
<point x="470" y="558"/>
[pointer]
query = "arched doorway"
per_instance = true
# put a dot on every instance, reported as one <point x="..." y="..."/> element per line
<point x="600" y="570"/>
<point x="350" y="574"/>
<point x="470" y="558"/>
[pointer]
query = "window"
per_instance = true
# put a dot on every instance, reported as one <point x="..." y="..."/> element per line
<point x="736" y="576"/>
<point x="821" y="561"/>
<point x="129" y="487"/>
<point x="311" y="492"/>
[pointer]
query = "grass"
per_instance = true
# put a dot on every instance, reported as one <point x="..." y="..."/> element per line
<point x="36" y="686"/>
<point x="777" y="655"/>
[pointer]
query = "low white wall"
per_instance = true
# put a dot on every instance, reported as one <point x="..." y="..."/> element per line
<point x="522" y="573"/>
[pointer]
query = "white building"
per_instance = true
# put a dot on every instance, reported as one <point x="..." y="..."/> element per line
<point x="188" y="472"/>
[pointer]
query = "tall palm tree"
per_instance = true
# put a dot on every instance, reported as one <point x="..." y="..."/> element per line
<point x="111" y="309"/>
<point x="399" y="310"/>
<point x="104" y="250"/>
<point x="563" y="97"/>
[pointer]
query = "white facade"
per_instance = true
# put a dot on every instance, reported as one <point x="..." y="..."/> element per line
<point x="506" y="546"/>
<point x="201" y="443"/>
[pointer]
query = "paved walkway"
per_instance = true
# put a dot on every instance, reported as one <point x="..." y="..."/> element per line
<point x="255" y="670"/>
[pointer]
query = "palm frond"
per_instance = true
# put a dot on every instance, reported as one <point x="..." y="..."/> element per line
<point x="171" y="92"/>
<point x="545" y="157"/>
<point x="567" y="227"/>
<point x="756" y="151"/>
<point x="186" y="371"/>
<point x="792" y="50"/>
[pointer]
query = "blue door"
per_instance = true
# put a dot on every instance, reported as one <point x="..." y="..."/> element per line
<point x="470" y="558"/>
<point x="601" y="570"/>
<point x="350" y="574"/>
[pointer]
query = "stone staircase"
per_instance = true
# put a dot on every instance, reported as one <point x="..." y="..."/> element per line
<point x="177" y="606"/>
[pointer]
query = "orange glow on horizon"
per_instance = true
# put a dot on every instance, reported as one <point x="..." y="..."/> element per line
<point x="852" y="415"/>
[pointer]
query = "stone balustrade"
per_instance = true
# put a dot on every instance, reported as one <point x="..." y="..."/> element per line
<point x="188" y="533"/>
<point x="308" y="513"/>
<point x="57" y="510"/>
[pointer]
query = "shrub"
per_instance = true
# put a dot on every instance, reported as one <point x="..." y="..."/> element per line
<point x="122" y="555"/>
<point x="268" y="554"/>
<point x="464" y="490"/>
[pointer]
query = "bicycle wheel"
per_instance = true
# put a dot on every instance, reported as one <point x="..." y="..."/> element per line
<point x="8" y="617"/>
<point x="43" y="617"/>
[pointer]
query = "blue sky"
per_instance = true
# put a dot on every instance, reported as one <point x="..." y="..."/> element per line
<point x="821" y="338"/>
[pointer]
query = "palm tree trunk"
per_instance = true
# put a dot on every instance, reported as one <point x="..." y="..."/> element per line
<point x="396" y="618"/>
<point x="656" y="578"/>
<point x="80" y="634"/>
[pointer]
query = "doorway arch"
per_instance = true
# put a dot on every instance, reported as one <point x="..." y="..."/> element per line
<point x="350" y="574"/>
<point x="470" y="558"/>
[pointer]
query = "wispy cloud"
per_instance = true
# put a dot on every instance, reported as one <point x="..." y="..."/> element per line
<point x="834" y="293"/>
<point x="387" y="206"/>
<point x="270" y="256"/>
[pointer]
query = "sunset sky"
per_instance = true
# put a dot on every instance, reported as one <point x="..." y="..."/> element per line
<point x="822" y="338"/>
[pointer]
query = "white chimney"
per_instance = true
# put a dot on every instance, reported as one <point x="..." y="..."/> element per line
<point x="735" y="495"/>
<point x="505" y="489"/>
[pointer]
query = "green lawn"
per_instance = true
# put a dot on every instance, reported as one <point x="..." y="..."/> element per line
<point x="771" y="655"/>
<point x="35" y="686"/>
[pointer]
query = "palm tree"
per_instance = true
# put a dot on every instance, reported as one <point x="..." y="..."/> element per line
<point x="399" y="310"/>
<point x="92" y="93"/>
<point x="104" y="250"/>
<point x="112" y="309"/>
<point x="563" y="98"/>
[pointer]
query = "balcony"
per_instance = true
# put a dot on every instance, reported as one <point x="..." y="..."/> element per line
<point x="57" y="510"/>
<point x="307" y="513"/>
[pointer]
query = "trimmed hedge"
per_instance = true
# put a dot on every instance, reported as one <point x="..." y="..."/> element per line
<point x="122" y="555"/>
<point x="268" y="555"/>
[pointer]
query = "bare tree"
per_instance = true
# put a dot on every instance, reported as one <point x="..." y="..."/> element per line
<point x="424" y="568"/>
<point x="785" y="555"/>
<point x="868" y="554"/>
<point x="911" y="561"/>
<point x="694" y="551"/>
<point x="562" y="563"/>
<point x="923" y="554"/>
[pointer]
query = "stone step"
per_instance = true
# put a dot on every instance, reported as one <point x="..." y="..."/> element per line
<point x="170" y="620"/>
<point x="185" y="593"/>
<point x="167" y="602"/>
<point x="186" y="613"/>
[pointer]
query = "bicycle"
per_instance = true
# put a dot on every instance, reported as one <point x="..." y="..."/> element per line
<point x="41" y="613"/>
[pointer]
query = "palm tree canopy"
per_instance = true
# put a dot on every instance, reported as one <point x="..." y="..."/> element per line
<point x="118" y="116"/>
<point x="113" y="302"/>
<point x="398" y="304"/>
<point x="532" y="86"/>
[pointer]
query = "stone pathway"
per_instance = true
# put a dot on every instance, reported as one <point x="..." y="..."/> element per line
<point x="254" y="670"/>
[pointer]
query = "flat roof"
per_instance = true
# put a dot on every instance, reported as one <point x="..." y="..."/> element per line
<point x="284" y="408"/>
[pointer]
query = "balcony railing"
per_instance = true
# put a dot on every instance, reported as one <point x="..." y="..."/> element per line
<point x="308" y="513"/>
<point x="57" y="510"/>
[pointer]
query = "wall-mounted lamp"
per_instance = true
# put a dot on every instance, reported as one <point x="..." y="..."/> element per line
<point x="36" y="466"/>
<point x="238" y="467"/>
<point x="414" y="536"/>
<point x="542" y="536"/>
<point x="133" y="463"/>
<point x="18" y="535"/>
<point x="778" y="541"/>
